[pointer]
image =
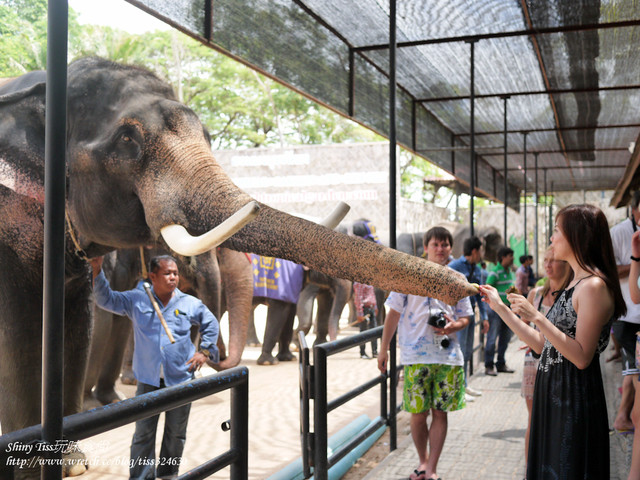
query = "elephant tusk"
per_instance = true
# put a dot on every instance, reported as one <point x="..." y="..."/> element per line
<point x="335" y="217"/>
<point x="181" y="242"/>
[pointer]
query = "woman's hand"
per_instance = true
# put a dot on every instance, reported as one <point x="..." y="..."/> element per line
<point x="523" y="308"/>
<point x="635" y="244"/>
<point x="491" y="296"/>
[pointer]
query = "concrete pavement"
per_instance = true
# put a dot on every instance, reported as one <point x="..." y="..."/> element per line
<point x="486" y="439"/>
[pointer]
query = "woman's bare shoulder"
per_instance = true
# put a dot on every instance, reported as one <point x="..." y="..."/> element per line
<point x="593" y="291"/>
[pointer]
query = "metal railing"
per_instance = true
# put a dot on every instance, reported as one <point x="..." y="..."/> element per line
<point x="313" y="385"/>
<point x="102" y="419"/>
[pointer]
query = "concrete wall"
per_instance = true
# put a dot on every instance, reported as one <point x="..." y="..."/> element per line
<point x="311" y="180"/>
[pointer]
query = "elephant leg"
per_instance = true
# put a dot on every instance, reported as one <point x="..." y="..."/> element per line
<point x="127" y="377"/>
<point x="325" y="301"/>
<point x="252" y="335"/>
<point x="304" y="311"/>
<point x="105" y="390"/>
<point x="341" y="295"/>
<point x="237" y="296"/>
<point x="99" y="343"/>
<point x="284" y="342"/>
<point x="276" y="320"/>
<point x="381" y="296"/>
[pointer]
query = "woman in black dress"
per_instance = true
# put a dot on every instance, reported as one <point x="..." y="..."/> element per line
<point x="569" y="426"/>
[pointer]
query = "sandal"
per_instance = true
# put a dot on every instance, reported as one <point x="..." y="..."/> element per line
<point x="418" y="475"/>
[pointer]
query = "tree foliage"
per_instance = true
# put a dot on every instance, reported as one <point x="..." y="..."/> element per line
<point x="240" y="107"/>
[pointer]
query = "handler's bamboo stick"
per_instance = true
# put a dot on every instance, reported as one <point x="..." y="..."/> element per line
<point x="147" y="289"/>
<point x="351" y="324"/>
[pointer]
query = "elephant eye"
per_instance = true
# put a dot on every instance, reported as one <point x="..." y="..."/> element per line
<point x="126" y="138"/>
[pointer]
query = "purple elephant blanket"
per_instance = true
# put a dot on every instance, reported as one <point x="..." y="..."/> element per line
<point x="276" y="278"/>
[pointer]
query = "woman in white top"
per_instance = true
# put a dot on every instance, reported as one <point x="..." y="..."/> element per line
<point x="634" y="290"/>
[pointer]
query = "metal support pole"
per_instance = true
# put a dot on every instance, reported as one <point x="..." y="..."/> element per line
<point x="54" y="234"/>
<point x="392" y="193"/>
<point x="506" y="185"/>
<point x="393" y="401"/>
<point x="392" y="124"/>
<point x="240" y="429"/>
<point x="472" y="153"/>
<point x="320" y="463"/>
<point x="546" y="200"/>
<point x="551" y="214"/>
<point x="524" y="195"/>
<point x="535" y="156"/>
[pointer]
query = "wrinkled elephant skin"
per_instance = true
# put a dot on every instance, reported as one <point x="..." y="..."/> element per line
<point x="137" y="161"/>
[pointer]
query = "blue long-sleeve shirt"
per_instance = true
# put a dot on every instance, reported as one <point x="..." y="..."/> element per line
<point x="474" y="275"/>
<point x="153" y="348"/>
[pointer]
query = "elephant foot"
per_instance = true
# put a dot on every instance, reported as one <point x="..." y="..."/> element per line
<point x="253" y="343"/>
<point x="285" y="356"/>
<point x="267" y="359"/>
<point x="90" y="402"/>
<point x="74" y="463"/>
<point x="127" y="378"/>
<point x="109" y="396"/>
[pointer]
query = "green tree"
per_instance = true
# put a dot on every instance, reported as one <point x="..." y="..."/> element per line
<point x="240" y="107"/>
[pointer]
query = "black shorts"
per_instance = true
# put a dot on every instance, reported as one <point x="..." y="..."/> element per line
<point x="625" y="334"/>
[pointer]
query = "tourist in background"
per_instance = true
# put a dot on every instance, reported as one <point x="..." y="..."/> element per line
<point x="502" y="278"/>
<point x="469" y="265"/>
<point x="432" y="359"/>
<point x="625" y="328"/>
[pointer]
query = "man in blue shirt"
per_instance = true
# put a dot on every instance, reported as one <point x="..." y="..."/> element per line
<point x="157" y="361"/>
<point x="468" y="265"/>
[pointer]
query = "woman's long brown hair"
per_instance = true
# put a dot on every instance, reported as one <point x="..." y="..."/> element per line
<point x="586" y="229"/>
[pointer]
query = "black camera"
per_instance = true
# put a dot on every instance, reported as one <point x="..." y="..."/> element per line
<point x="440" y="321"/>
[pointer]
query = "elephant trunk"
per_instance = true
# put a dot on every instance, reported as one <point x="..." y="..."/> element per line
<point x="274" y="233"/>
<point x="237" y="278"/>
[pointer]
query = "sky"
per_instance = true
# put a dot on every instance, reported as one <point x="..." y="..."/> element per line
<point x="115" y="13"/>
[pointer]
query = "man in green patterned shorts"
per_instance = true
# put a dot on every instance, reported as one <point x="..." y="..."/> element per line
<point x="432" y="358"/>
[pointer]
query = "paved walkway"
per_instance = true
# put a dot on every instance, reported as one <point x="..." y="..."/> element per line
<point x="486" y="439"/>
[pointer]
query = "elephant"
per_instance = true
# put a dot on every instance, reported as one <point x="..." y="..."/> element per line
<point x="218" y="280"/>
<point x="332" y="295"/>
<point x="139" y="167"/>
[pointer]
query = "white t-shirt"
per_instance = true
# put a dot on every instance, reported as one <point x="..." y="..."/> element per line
<point x="416" y="338"/>
<point x="621" y="237"/>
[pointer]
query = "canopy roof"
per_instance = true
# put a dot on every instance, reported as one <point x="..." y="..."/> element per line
<point x="567" y="71"/>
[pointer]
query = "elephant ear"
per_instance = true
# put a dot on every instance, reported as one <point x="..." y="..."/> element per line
<point x="22" y="107"/>
<point x="26" y="86"/>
